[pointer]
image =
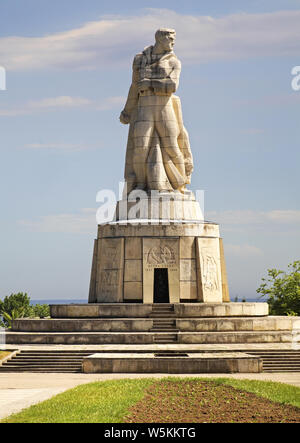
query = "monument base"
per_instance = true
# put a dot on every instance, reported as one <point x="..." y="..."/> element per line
<point x="179" y="262"/>
<point x="172" y="363"/>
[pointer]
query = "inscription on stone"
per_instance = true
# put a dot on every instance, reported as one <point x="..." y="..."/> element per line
<point x="161" y="255"/>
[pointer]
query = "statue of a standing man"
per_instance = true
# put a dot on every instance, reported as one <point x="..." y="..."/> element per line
<point x="158" y="151"/>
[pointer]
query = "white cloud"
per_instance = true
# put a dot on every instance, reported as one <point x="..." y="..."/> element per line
<point x="113" y="39"/>
<point x="61" y="103"/>
<point x="82" y="222"/>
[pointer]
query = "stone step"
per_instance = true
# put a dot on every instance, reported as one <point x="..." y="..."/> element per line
<point x="196" y="325"/>
<point x="62" y="354"/>
<point x="41" y="361"/>
<point x="280" y="360"/>
<point x="68" y="338"/>
<point x="280" y="370"/>
<point x="283" y="356"/>
<point x="144" y="310"/>
<point x="42" y="370"/>
<point x="163" y="323"/>
<point x="162" y="315"/>
<point x="296" y="368"/>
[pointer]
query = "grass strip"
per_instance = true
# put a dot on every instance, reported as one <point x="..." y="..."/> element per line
<point x="99" y="402"/>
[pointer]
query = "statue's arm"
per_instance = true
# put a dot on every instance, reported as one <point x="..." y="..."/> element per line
<point x="169" y="84"/>
<point x="132" y="99"/>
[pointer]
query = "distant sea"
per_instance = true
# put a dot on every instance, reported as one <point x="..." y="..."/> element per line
<point x="68" y="301"/>
<point x="60" y="301"/>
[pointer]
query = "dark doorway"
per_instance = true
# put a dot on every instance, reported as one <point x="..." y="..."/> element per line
<point x="161" y="286"/>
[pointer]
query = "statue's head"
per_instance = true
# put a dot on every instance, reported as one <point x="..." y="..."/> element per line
<point x="165" y="38"/>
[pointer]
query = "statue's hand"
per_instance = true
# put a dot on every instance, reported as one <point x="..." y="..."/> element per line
<point x="124" y="118"/>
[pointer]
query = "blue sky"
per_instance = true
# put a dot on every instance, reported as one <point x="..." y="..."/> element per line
<point x="68" y="69"/>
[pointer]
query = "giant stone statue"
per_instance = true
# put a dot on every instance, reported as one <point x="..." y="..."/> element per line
<point x="158" y="150"/>
<point x="158" y="248"/>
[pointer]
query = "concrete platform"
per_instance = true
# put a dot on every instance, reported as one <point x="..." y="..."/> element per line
<point x="234" y="347"/>
<point x="98" y="338"/>
<point x="172" y="363"/>
<point x="144" y="310"/>
<point x="217" y="324"/>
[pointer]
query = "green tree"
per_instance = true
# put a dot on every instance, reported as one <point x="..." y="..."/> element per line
<point x="18" y="306"/>
<point x="283" y="290"/>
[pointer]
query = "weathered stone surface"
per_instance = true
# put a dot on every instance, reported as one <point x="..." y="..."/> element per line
<point x="110" y="270"/>
<point x="188" y="291"/>
<point x="93" y="281"/>
<point x="133" y="248"/>
<point x="133" y="271"/>
<point x="133" y="291"/>
<point x="111" y="230"/>
<point x="98" y="338"/>
<point x="225" y="289"/>
<point x="209" y="270"/>
<point x="181" y="310"/>
<point x="187" y="248"/>
<point x="221" y="324"/>
<point x="188" y="270"/>
<point x="191" y="364"/>
<point x="84" y="325"/>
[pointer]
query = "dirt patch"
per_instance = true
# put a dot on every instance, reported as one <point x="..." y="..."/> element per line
<point x="207" y="402"/>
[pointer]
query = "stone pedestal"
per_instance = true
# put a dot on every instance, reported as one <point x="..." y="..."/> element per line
<point x="128" y="258"/>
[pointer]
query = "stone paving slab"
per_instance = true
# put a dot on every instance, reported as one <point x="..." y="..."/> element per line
<point x="14" y="400"/>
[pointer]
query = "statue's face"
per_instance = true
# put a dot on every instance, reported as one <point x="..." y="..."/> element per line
<point x="167" y="42"/>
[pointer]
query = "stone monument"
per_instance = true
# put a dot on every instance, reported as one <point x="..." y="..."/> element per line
<point x="158" y="299"/>
<point x="158" y="249"/>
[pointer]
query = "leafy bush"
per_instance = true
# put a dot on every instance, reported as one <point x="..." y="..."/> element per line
<point x="283" y="290"/>
<point x="18" y="306"/>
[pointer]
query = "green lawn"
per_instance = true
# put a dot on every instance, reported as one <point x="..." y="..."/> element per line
<point x="100" y="402"/>
<point x="109" y="401"/>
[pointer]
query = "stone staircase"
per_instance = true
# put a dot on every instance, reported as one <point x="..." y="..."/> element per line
<point x="279" y="361"/>
<point x="60" y="361"/>
<point x="46" y="361"/>
<point x="165" y="323"/>
<point x="125" y="327"/>
<point x="162" y="310"/>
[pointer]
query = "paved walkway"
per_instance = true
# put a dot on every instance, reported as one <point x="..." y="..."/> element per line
<point x="19" y="391"/>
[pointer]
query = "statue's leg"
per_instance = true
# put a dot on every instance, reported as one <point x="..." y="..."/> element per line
<point x="143" y="132"/>
<point x="168" y="130"/>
